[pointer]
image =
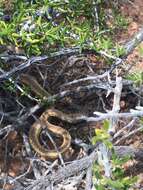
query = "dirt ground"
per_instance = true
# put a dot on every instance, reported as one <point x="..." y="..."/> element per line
<point x="133" y="11"/>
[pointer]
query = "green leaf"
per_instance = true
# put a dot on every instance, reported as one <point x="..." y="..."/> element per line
<point x="106" y="125"/>
<point x="115" y="184"/>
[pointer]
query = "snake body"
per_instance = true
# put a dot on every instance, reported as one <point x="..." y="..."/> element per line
<point x="37" y="127"/>
<point x="34" y="85"/>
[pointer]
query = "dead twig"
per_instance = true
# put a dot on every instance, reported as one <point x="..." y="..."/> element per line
<point x="104" y="159"/>
<point x="102" y="116"/>
<point x="116" y="104"/>
<point x="65" y="172"/>
<point x="89" y="179"/>
<point x="128" y="126"/>
<point x="80" y="165"/>
<point x="129" y="135"/>
<point x="137" y="39"/>
<point x="39" y="59"/>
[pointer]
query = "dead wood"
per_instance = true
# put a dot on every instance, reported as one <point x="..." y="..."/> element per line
<point x="133" y="43"/>
<point x="80" y="165"/>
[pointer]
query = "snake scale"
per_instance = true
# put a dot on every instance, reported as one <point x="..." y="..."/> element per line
<point x="43" y="122"/>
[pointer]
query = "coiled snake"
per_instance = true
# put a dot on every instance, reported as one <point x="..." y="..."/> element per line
<point x="36" y="128"/>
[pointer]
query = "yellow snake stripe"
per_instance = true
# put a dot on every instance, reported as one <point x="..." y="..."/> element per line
<point x="37" y="127"/>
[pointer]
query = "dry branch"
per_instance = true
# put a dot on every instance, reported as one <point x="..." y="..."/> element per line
<point x="133" y="43"/>
<point x="38" y="59"/>
<point x="80" y="165"/>
<point x="116" y="104"/>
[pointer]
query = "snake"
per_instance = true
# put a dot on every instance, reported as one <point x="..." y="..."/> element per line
<point x="43" y="122"/>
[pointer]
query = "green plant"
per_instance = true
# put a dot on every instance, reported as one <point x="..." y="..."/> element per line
<point x="119" y="51"/>
<point x="137" y="77"/>
<point x="44" y="26"/>
<point x="141" y="50"/>
<point x="8" y="85"/>
<point x="120" y="21"/>
<point x="117" y="180"/>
